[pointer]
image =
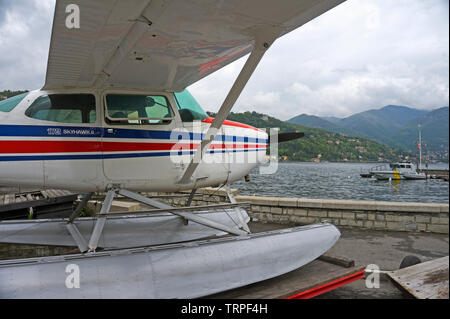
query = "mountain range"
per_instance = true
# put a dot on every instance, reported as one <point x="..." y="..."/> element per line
<point x="393" y="125"/>
<point x="321" y="145"/>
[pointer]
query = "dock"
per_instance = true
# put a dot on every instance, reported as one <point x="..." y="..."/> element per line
<point x="43" y="203"/>
<point x="435" y="173"/>
<point x="320" y="276"/>
<point x="427" y="280"/>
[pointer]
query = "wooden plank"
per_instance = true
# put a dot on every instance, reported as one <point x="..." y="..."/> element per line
<point x="51" y="193"/>
<point x="314" y="274"/>
<point x="60" y="192"/>
<point x="340" y="261"/>
<point x="6" y="199"/>
<point x="63" y="192"/>
<point x="427" y="280"/>
<point x="32" y="199"/>
<point x="57" y="192"/>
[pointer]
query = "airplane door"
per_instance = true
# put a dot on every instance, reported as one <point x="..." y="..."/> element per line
<point x="136" y="140"/>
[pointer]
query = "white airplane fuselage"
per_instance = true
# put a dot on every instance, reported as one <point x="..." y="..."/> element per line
<point x="95" y="156"/>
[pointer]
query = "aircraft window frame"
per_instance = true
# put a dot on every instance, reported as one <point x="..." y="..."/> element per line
<point x="139" y="120"/>
<point x="85" y="110"/>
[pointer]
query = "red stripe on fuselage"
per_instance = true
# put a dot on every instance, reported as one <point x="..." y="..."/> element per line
<point x="209" y="120"/>
<point x="21" y="147"/>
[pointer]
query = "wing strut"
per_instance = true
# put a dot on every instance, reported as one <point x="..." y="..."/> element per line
<point x="264" y="38"/>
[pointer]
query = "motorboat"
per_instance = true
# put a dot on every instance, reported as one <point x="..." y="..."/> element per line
<point x="397" y="171"/>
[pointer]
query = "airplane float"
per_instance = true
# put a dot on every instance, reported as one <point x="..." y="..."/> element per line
<point x="114" y="116"/>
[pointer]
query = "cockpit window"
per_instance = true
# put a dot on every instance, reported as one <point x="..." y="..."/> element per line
<point x="138" y="109"/>
<point x="188" y="107"/>
<point x="9" y="104"/>
<point x="64" y="108"/>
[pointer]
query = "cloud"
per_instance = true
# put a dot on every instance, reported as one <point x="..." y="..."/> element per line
<point x="25" y="29"/>
<point x="363" y="54"/>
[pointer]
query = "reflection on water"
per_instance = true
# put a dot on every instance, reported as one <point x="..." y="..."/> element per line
<point x="395" y="186"/>
<point x="341" y="181"/>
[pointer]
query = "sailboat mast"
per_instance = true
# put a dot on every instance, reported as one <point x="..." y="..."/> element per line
<point x="420" y="149"/>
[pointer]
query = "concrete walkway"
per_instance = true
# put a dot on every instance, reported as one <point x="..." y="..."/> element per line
<point x="385" y="249"/>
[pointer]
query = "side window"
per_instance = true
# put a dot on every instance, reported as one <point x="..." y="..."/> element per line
<point x="9" y="104"/>
<point x="64" y="108"/>
<point x="138" y="109"/>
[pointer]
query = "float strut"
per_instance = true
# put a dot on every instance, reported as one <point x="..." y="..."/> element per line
<point x="80" y="207"/>
<point x="189" y="216"/>
<point x="100" y="223"/>
<point x="73" y="229"/>
<point x="242" y="222"/>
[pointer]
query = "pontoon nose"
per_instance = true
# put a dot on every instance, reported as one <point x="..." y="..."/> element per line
<point x="335" y="233"/>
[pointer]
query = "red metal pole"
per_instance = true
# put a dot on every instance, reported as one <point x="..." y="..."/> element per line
<point x="313" y="292"/>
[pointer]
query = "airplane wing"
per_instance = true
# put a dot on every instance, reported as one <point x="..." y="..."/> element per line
<point x="162" y="44"/>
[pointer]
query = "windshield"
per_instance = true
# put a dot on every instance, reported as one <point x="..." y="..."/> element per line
<point x="189" y="108"/>
<point x="9" y="104"/>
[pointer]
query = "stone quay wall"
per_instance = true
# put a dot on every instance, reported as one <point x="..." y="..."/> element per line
<point x="376" y="215"/>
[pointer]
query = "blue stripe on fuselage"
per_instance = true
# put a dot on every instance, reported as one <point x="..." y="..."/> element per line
<point x="21" y="158"/>
<point x="84" y="131"/>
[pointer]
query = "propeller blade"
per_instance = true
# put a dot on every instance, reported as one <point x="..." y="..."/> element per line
<point x="289" y="136"/>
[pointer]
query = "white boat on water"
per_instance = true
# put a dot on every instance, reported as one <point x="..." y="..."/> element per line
<point x="397" y="171"/>
<point x="400" y="170"/>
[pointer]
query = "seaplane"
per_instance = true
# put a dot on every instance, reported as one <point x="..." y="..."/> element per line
<point x="114" y="117"/>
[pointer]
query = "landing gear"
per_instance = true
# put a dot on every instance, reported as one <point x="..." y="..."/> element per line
<point x="72" y="228"/>
<point x="242" y="223"/>
<point x="240" y="229"/>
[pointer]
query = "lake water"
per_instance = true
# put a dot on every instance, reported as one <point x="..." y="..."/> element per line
<point x="341" y="181"/>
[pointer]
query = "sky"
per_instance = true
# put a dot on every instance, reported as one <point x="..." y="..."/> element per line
<point x="361" y="55"/>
